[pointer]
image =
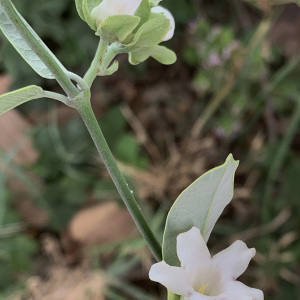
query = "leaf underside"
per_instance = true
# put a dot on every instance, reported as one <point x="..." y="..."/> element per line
<point x="22" y="46"/>
<point x="200" y="205"/>
<point x="11" y="100"/>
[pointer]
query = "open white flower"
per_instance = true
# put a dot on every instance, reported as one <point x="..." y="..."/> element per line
<point x="160" y="9"/>
<point x="109" y="8"/>
<point x="202" y="277"/>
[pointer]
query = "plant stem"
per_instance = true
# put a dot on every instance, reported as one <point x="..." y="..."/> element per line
<point x="40" y="49"/>
<point x="112" y="51"/>
<point x="87" y="114"/>
<point x="81" y="83"/>
<point x="55" y="96"/>
<point x="94" y="69"/>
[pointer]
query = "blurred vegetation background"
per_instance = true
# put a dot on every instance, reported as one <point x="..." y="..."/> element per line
<point x="234" y="89"/>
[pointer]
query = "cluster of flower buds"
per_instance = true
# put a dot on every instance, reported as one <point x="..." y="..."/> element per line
<point x="137" y="26"/>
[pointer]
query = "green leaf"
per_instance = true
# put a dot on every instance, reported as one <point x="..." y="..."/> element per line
<point x="118" y="27"/>
<point x="78" y="4"/>
<point x="144" y="12"/>
<point x="200" y="205"/>
<point x="172" y="296"/>
<point x="154" y="2"/>
<point x="87" y="14"/>
<point x="87" y="7"/>
<point x="92" y="4"/>
<point x="161" y="54"/>
<point x="111" y="70"/>
<point x="138" y="56"/>
<point x="151" y="33"/>
<point x="21" y="45"/>
<point x="11" y="100"/>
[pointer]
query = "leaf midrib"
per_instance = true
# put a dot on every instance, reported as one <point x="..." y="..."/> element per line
<point x="210" y="207"/>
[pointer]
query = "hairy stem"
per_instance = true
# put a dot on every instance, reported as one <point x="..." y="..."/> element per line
<point x="112" y="51"/>
<point x="87" y="114"/>
<point x="94" y="69"/>
<point x="55" y="96"/>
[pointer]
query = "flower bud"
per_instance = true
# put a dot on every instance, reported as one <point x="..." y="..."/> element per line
<point x="109" y="8"/>
<point x="160" y="9"/>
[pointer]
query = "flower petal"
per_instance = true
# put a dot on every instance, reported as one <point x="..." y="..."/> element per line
<point x="127" y="7"/>
<point x="234" y="260"/>
<point x="194" y="256"/>
<point x="109" y="8"/>
<point x="160" y="9"/>
<point x="198" y="296"/>
<point x="191" y="248"/>
<point x="173" y="278"/>
<point x="235" y="290"/>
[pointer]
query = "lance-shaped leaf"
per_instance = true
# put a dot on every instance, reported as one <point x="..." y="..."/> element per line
<point x="200" y="205"/>
<point x="21" y="45"/>
<point x="13" y="99"/>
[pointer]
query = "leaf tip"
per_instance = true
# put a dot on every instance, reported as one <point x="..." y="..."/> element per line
<point x="231" y="159"/>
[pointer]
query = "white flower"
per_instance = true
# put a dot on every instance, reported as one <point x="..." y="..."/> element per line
<point x="109" y="8"/>
<point x="202" y="277"/>
<point x="160" y="9"/>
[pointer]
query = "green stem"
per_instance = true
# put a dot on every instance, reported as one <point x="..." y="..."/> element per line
<point x="94" y="69"/>
<point x="82" y="85"/>
<point x="56" y="96"/>
<point x="87" y="114"/>
<point x="41" y="50"/>
<point x="112" y="51"/>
